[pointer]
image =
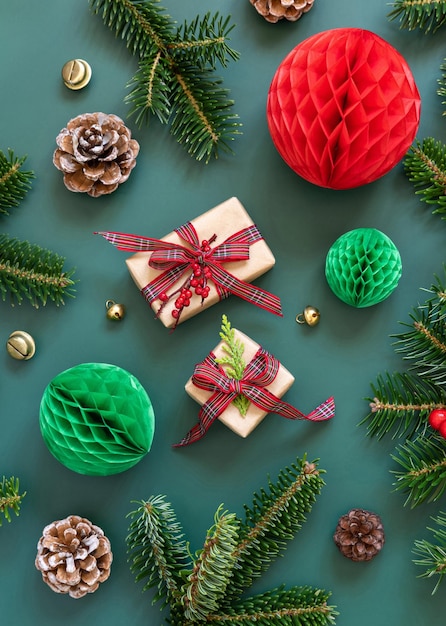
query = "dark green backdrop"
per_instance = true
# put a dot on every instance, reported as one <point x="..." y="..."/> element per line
<point x="300" y="221"/>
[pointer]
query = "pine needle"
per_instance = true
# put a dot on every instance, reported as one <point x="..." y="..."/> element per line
<point x="427" y="15"/>
<point x="10" y="498"/>
<point x="30" y="272"/>
<point x="14" y="182"/>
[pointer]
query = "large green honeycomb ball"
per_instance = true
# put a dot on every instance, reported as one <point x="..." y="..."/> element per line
<point x="363" y="267"/>
<point x="97" y="419"/>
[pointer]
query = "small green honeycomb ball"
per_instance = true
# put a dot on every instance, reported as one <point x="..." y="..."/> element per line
<point x="363" y="267"/>
<point x="97" y="419"/>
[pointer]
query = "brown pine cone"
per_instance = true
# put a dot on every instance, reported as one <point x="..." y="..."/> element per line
<point x="96" y="153"/>
<point x="275" y="10"/>
<point x="74" y="556"/>
<point x="359" y="535"/>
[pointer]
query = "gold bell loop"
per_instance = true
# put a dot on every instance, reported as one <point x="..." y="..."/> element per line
<point x="114" y="311"/>
<point x="310" y="315"/>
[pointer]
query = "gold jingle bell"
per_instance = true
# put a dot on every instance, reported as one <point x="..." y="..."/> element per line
<point x="20" y="345"/>
<point x="310" y="316"/>
<point x="114" y="311"/>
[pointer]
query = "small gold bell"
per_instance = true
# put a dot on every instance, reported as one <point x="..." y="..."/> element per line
<point x="114" y="311"/>
<point x="310" y="316"/>
<point x="20" y="345"/>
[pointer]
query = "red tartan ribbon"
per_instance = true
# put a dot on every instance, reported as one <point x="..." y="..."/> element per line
<point x="175" y="259"/>
<point x="259" y="373"/>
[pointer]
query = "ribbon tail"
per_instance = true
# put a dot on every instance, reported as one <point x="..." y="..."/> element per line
<point x="195" y="434"/>
<point x="324" y="411"/>
<point x="209" y="412"/>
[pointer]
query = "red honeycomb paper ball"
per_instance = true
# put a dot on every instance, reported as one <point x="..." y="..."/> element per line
<point x="343" y="108"/>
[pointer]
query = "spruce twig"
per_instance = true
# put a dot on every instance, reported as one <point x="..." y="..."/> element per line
<point x="30" y="272"/>
<point x="427" y="15"/>
<point x="208" y="588"/>
<point x="233" y="361"/>
<point x="175" y="80"/>
<point x="402" y="404"/>
<point x="10" y="498"/>
<point x="432" y="554"/>
<point x="425" y="166"/>
<point x="14" y="182"/>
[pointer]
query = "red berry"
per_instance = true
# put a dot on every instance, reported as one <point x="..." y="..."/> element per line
<point x="175" y="313"/>
<point x="163" y="296"/>
<point x="197" y="271"/>
<point x="179" y="303"/>
<point x="186" y="302"/>
<point x="187" y="293"/>
<point x="204" y="243"/>
<point x="193" y="282"/>
<point x="442" y="429"/>
<point x="437" y="417"/>
<point x="195" y="266"/>
<point x="198" y="290"/>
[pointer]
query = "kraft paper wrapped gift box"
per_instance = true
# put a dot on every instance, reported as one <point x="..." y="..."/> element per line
<point x="223" y="220"/>
<point x="243" y="425"/>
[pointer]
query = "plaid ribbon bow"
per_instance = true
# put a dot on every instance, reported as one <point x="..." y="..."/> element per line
<point x="259" y="372"/>
<point x="175" y="259"/>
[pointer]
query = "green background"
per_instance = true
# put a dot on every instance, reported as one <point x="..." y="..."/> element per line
<point x="300" y="221"/>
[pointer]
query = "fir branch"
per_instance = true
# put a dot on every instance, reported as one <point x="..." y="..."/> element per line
<point x="433" y="554"/>
<point x="144" y="25"/>
<point x="14" y="182"/>
<point x="10" y="498"/>
<point x="175" y="79"/>
<point x="442" y="84"/>
<point x="206" y="51"/>
<point x="401" y="403"/>
<point x="234" y="553"/>
<point x="305" y="606"/>
<point x="423" y="469"/>
<point x="275" y="516"/>
<point x="30" y="272"/>
<point x="425" y="343"/>
<point x="156" y="548"/>
<point x="233" y="361"/>
<point x="427" y="15"/>
<point x="425" y="166"/>
<point x="207" y="583"/>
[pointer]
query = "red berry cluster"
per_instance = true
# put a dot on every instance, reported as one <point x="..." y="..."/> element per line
<point x="197" y="282"/>
<point x="437" y="419"/>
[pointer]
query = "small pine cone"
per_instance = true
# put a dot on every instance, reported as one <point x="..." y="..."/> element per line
<point x="359" y="535"/>
<point x="74" y="556"/>
<point x="96" y="153"/>
<point x="275" y="10"/>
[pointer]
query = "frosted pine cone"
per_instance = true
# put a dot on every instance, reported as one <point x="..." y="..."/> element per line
<point x="359" y="535"/>
<point x="275" y="10"/>
<point x="96" y="153"/>
<point x="74" y="556"/>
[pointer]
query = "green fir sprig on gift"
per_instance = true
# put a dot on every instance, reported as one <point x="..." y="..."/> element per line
<point x="432" y="554"/>
<point x="14" y="182"/>
<point x="209" y="586"/>
<point x="427" y="15"/>
<point x="30" y="272"/>
<point x="10" y="498"/>
<point x="233" y="361"/>
<point x="425" y="166"/>
<point x="403" y="402"/>
<point x="175" y="80"/>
